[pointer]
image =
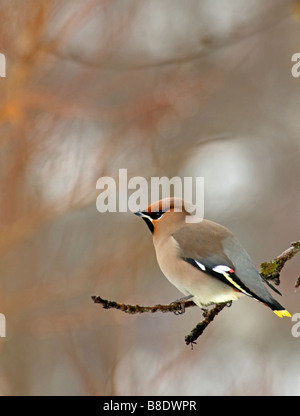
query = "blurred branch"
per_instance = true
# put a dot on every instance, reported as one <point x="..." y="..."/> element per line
<point x="270" y="271"/>
<point x="209" y="44"/>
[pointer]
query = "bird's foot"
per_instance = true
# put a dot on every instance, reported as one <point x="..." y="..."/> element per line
<point x="208" y="308"/>
<point x="205" y="312"/>
<point x="182" y="304"/>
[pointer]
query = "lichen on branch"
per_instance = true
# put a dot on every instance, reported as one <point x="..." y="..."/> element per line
<point x="270" y="270"/>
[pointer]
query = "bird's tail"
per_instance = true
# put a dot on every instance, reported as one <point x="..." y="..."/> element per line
<point x="278" y="309"/>
<point x="281" y="313"/>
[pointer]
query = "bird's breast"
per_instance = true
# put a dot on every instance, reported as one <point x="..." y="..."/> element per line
<point x="168" y="258"/>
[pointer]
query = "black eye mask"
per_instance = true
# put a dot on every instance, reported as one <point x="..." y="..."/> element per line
<point x="154" y="215"/>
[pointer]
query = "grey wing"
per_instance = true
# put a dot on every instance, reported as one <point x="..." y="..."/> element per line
<point x="202" y="248"/>
<point x="213" y="249"/>
<point x="246" y="270"/>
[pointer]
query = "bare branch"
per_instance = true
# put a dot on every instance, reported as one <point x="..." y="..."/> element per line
<point x="133" y="309"/>
<point x="208" y="318"/>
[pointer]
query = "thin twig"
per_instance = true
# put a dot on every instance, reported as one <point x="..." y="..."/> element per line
<point x="209" y="317"/>
<point x="132" y="309"/>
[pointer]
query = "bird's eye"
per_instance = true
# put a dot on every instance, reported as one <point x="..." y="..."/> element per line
<point x="155" y="215"/>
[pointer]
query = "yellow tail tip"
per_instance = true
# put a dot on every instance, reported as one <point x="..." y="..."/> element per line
<point x="282" y="313"/>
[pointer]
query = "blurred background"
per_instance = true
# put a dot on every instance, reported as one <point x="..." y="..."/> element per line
<point x="172" y="88"/>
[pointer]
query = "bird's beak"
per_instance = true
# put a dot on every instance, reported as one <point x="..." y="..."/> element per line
<point x="139" y="213"/>
<point x="147" y="220"/>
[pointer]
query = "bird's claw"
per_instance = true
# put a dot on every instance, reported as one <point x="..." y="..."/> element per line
<point x="182" y="305"/>
<point x="181" y="301"/>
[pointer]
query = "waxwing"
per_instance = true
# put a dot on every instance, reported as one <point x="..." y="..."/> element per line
<point x="203" y="259"/>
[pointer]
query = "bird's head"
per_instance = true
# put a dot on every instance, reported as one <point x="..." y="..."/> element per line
<point x="166" y="213"/>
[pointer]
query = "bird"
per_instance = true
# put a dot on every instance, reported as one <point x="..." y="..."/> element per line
<point x="203" y="259"/>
